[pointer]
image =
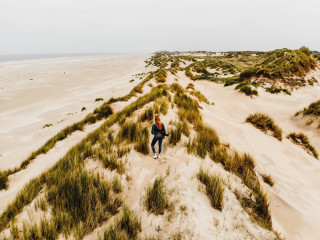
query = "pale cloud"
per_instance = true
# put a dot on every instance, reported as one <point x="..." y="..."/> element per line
<point x="117" y="26"/>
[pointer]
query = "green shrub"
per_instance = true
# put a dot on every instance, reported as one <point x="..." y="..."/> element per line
<point x="265" y="124"/>
<point x="303" y="140"/>
<point x="156" y="199"/>
<point x="214" y="188"/>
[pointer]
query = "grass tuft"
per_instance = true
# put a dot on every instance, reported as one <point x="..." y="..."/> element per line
<point x="156" y="199"/>
<point x="267" y="179"/>
<point x="303" y="140"/>
<point x="214" y="188"/>
<point x="265" y="124"/>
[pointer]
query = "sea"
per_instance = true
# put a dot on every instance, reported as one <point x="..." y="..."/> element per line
<point x="23" y="57"/>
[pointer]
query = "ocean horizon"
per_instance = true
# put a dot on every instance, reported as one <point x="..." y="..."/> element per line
<point x="24" y="57"/>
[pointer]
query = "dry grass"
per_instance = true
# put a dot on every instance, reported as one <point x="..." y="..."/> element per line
<point x="267" y="179"/>
<point x="200" y="96"/>
<point x="214" y="188"/>
<point x="127" y="227"/>
<point x="303" y="140"/>
<point x="265" y="124"/>
<point x="156" y="200"/>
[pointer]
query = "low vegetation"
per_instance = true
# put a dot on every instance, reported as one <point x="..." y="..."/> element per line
<point x="247" y="89"/>
<point x="205" y="141"/>
<point x="3" y="180"/>
<point x="200" y="96"/>
<point x="127" y="227"/>
<point x="303" y="141"/>
<point x="281" y="64"/>
<point x="214" y="188"/>
<point x="265" y="124"/>
<point x="313" y="109"/>
<point x="268" y="179"/>
<point x="278" y="90"/>
<point x="161" y="76"/>
<point x="156" y="200"/>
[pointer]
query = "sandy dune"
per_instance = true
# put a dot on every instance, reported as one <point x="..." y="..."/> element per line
<point x="53" y="91"/>
<point x="294" y="200"/>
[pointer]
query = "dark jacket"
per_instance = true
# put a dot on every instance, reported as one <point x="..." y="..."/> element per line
<point x="158" y="133"/>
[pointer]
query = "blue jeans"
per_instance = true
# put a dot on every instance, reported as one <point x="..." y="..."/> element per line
<point x="154" y="141"/>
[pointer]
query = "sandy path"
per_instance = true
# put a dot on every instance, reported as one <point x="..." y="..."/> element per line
<point x="53" y="91"/>
<point x="295" y="201"/>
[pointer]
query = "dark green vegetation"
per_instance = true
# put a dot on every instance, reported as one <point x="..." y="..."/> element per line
<point x="147" y="115"/>
<point x="247" y="89"/>
<point x="278" y="90"/>
<point x="214" y="188"/>
<point x="281" y="64"/>
<point x="127" y="227"/>
<point x="303" y="141"/>
<point x="98" y="99"/>
<point x="313" y="109"/>
<point x="156" y="200"/>
<point x="265" y="124"/>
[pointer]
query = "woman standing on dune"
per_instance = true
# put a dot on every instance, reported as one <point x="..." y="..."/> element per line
<point x="159" y="132"/>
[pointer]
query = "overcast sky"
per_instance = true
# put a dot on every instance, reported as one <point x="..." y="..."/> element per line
<point x="134" y="26"/>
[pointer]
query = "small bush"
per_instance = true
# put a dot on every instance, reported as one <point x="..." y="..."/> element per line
<point x="156" y="199"/>
<point x="265" y="124"/>
<point x="214" y="188"/>
<point x="303" y="140"/>
<point x="98" y="99"/>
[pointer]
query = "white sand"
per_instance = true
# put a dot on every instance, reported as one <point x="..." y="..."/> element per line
<point x="294" y="200"/>
<point x="59" y="87"/>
